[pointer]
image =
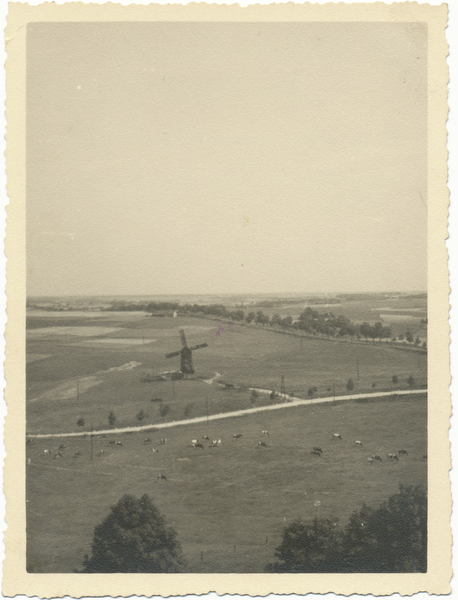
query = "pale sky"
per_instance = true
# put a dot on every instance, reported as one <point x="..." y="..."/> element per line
<point x="226" y="157"/>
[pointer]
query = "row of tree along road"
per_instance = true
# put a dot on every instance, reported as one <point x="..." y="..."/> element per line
<point x="310" y="321"/>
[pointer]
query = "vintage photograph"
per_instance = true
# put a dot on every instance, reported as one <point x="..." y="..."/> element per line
<point x="227" y="297"/>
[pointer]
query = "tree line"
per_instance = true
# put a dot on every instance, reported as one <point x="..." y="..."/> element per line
<point x="135" y="538"/>
<point x="310" y="321"/>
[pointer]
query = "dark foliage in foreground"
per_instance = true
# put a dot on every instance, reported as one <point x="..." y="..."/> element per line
<point x="134" y="538"/>
<point x="390" y="539"/>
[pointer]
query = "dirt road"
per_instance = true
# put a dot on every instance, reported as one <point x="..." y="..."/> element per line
<point x="289" y="402"/>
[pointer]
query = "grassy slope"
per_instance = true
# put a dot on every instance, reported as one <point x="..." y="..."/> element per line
<point x="232" y="502"/>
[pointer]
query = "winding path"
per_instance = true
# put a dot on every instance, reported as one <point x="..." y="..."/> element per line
<point x="290" y="402"/>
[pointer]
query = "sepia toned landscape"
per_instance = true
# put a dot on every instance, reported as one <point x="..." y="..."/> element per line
<point x="227" y="306"/>
<point x="100" y="374"/>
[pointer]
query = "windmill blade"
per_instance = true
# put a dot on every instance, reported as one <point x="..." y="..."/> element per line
<point x="172" y="354"/>
<point x="199" y="346"/>
<point x="183" y="339"/>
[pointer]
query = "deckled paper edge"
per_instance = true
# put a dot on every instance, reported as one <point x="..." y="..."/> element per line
<point x="16" y="580"/>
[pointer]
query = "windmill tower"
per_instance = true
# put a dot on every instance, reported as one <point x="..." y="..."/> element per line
<point x="186" y="365"/>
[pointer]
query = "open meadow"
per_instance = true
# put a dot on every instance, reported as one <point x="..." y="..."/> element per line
<point x="228" y="504"/>
<point x="85" y="366"/>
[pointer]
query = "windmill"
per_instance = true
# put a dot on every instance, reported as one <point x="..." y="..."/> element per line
<point x="186" y="355"/>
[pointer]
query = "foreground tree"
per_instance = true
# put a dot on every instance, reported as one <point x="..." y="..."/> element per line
<point x="309" y="548"/>
<point x="134" y="538"/>
<point x="390" y="539"/>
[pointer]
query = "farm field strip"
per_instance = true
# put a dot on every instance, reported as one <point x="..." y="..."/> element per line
<point x="292" y="403"/>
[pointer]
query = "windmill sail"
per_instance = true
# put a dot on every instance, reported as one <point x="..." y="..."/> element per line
<point x="199" y="346"/>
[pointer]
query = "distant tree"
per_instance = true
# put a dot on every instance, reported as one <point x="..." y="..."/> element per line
<point x="366" y="330"/>
<point x="409" y="337"/>
<point x="134" y="538"/>
<point x="312" y="390"/>
<point x="253" y="397"/>
<point x="395" y="379"/>
<point x="385" y="333"/>
<point x="273" y="395"/>
<point x="164" y="410"/>
<point x="417" y="341"/>
<point x="80" y="422"/>
<point x="424" y="344"/>
<point x="401" y="336"/>
<point x="251" y="316"/>
<point x="411" y="381"/>
<point x="111" y="419"/>
<point x="350" y="385"/>
<point x="374" y="384"/>
<point x="140" y="416"/>
<point x="188" y="410"/>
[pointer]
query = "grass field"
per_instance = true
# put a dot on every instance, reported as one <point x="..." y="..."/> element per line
<point x="76" y="375"/>
<point x="228" y="504"/>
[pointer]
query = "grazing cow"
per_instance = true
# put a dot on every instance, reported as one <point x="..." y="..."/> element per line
<point x="376" y="457"/>
<point x="162" y="477"/>
<point x="77" y="454"/>
<point x="336" y="436"/>
<point x="147" y="441"/>
<point x="358" y="443"/>
<point x="262" y="444"/>
<point x="112" y="442"/>
<point x="264" y="432"/>
<point x="392" y="456"/>
<point x="315" y="452"/>
<point x="163" y="441"/>
<point x="370" y="460"/>
<point x="316" y="449"/>
<point x="155" y="450"/>
<point x="205" y="437"/>
<point x="402" y="452"/>
<point x="48" y="452"/>
<point x="118" y="443"/>
<point x="101" y="452"/>
<point x="58" y="455"/>
<point x="236" y="436"/>
<point x="198" y="445"/>
<point x="219" y="441"/>
<point x="214" y="444"/>
<point x="62" y="446"/>
<point x="29" y="461"/>
<point x="194" y="442"/>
